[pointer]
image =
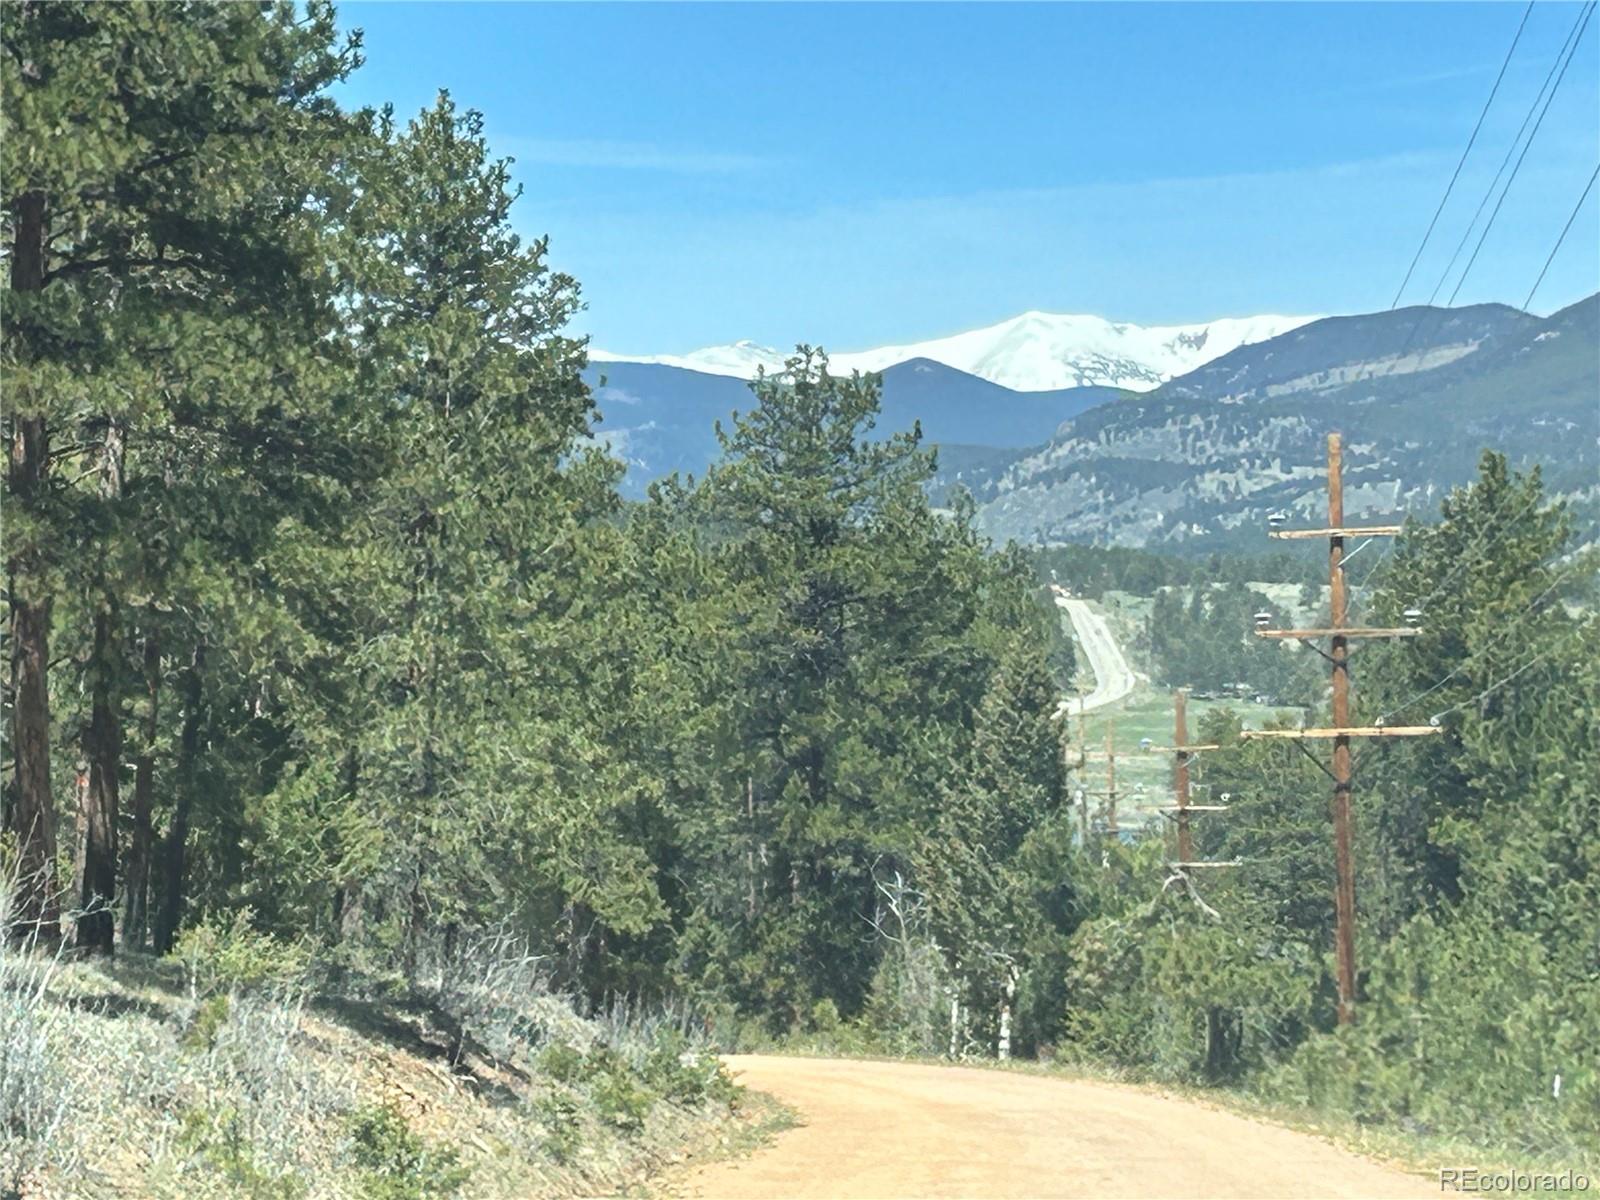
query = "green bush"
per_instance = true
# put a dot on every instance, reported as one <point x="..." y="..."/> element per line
<point x="210" y="1017"/>
<point x="396" y="1163"/>
<point x="1463" y="1030"/>
<point x="563" y="1127"/>
<point x="618" y="1095"/>
<point x="563" y="1063"/>
<point x="685" y="1075"/>
<point x="217" y="1139"/>
<point x="825" y="1017"/>
<point x="230" y="954"/>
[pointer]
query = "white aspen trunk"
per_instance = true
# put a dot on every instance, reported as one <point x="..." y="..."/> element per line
<point x="1008" y="994"/>
<point x="955" y="1026"/>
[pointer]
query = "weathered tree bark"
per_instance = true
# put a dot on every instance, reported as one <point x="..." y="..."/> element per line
<point x="36" y="911"/>
<point x="102" y="751"/>
<point x="169" y="911"/>
<point x="102" y="745"/>
<point x="80" y="837"/>
<point x="136" y="869"/>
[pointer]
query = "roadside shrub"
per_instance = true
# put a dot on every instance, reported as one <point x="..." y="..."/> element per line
<point x="209" y="1018"/>
<point x="229" y="954"/>
<point x="562" y="1062"/>
<point x="252" y="1095"/>
<point x="218" y="1139"/>
<point x="1464" y="1030"/>
<point x="620" y="1100"/>
<point x="825" y="1017"/>
<point x="395" y="1162"/>
<point x="908" y="1010"/>
<point x="557" y="1113"/>
<point x="685" y="1075"/>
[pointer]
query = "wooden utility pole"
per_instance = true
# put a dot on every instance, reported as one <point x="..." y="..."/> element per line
<point x="1339" y="656"/>
<point x="1180" y="743"/>
<point x="1339" y="634"/>
<point x="1182" y="809"/>
<point x="1109" y="827"/>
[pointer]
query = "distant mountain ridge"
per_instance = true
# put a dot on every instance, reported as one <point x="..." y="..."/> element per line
<point x="1033" y="352"/>
<point x="659" y="419"/>
<point x="1418" y="393"/>
<point x="1199" y="461"/>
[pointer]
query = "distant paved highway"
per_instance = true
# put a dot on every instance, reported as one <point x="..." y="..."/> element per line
<point x="1113" y="677"/>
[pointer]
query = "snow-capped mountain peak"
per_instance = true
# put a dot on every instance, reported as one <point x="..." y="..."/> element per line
<point x="1033" y="352"/>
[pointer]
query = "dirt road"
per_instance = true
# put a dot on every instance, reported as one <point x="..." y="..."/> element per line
<point x="1113" y="677"/>
<point x="882" y="1131"/>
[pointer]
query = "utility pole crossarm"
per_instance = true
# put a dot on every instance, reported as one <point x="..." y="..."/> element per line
<point x="1184" y="866"/>
<point x="1337" y="531"/>
<point x="1342" y="633"/>
<point x="1371" y="731"/>
<point x="1184" y="749"/>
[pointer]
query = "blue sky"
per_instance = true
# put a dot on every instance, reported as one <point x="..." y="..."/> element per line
<point x="853" y="175"/>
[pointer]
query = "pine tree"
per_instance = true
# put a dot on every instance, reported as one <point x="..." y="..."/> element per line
<point x="159" y="173"/>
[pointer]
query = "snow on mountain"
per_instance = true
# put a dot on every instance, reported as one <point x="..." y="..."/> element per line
<point x="1036" y="352"/>
<point x="739" y="360"/>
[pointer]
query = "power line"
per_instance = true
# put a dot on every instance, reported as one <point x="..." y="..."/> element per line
<point x="1512" y="623"/>
<point x="1528" y="145"/>
<point x="1588" y="187"/>
<point x="1569" y="45"/>
<point x="1494" y="528"/>
<point x="1449" y="187"/>
<point x="1503" y="680"/>
<point x="1555" y="65"/>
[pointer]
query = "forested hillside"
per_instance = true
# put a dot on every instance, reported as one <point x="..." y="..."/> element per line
<point x="347" y="690"/>
<point x="1198" y="464"/>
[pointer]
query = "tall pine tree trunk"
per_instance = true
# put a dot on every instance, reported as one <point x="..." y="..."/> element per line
<point x="169" y="909"/>
<point x="136" y="871"/>
<point x="102" y="745"/>
<point x="32" y="809"/>
<point x="348" y="909"/>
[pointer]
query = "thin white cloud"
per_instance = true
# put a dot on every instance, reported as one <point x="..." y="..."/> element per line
<point x="628" y="156"/>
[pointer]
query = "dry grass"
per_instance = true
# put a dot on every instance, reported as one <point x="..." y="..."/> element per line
<point x="129" y="1079"/>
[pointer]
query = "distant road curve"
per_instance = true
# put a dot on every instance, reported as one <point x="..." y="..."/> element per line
<point x="914" y="1131"/>
<point x="1113" y="677"/>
